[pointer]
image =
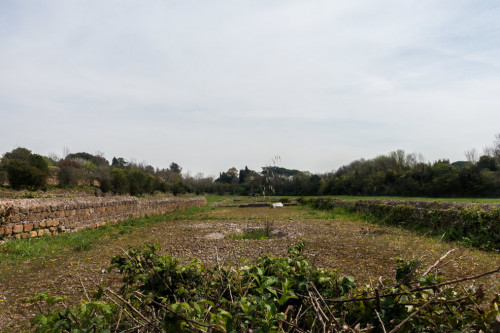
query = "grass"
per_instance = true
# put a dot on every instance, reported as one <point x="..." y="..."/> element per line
<point x="358" y="198"/>
<point x="252" y="234"/>
<point x="15" y="252"/>
<point x="241" y="199"/>
<point x="238" y="199"/>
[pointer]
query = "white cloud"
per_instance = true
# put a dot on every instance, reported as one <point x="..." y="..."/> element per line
<point x="216" y="84"/>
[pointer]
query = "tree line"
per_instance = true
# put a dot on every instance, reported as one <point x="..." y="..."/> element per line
<point x="395" y="174"/>
<point x="21" y="168"/>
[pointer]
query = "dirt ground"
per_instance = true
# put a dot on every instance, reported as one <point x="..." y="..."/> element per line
<point x="356" y="248"/>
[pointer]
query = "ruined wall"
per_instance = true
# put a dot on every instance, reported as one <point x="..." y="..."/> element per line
<point x="24" y="218"/>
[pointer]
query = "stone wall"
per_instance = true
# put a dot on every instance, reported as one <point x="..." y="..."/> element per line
<point x="24" y="218"/>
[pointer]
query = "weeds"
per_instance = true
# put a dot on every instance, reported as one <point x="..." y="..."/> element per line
<point x="250" y="234"/>
<point x="275" y="294"/>
<point x="264" y="232"/>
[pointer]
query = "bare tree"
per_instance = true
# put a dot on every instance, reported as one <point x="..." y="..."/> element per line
<point x="53" y="157"/>
<point x="66" y="152"/>
<point x="472" y="155"/>
<point x="494" y="150"/>
<point x="496" y="147"/>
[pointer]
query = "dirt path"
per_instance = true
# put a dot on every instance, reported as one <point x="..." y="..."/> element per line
<point x="356" y="248"/>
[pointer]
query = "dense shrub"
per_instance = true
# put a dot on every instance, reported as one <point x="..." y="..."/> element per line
<point x="96" y="160"/>
<point x="21" y="173"/>
<point x="3" y="177"/>
<point x="159" y="294"/>
<point x="24" y="169"/>
<point x="68" y="176"/>
<point x="137" y="181"/>
<point x="119" y="181"/>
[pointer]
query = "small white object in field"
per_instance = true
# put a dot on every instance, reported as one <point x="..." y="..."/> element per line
<point x="277" y="205"/>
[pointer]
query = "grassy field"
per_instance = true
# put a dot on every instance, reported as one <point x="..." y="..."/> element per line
<point x="229" y="198"/>
<point x="69" y="264"/>
<point x="475" y="200"/>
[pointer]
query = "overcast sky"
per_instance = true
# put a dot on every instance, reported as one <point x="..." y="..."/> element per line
<point x="216" y="84"/>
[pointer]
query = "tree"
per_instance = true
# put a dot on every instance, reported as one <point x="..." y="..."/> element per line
<point x="20" y="174"/>
<point x="25" y="169"/>
<point x="119" y="163"/>
<point x="119" y="181"/>
<point x="487" y="162"/>
<point x="244" y="173"/>
<point x="471" y="155"/>
<point x="97" y="160"/>
<point x="3" y="177"/>
<point x="228" y="177"/>
<point x="137" y="181"/>
<point x="69" y="173"/>
<point x="175" y="167"/>
<point x="444" y="179"/>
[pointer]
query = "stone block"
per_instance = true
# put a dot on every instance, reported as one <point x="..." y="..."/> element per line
<point x="17" y="228"/>
<point x="8" y="229"/>
<point x="33" y="233"/>
<point x="43" y="224"/>
<point x="28" y="226"/>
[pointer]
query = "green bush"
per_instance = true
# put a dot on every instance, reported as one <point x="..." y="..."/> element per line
<point x="137" y="181"/>
<point x="25" y="169"/>
<point x="3" y="177"/>
<point x="159" y="294"/>
<point x="21" y="174"/>
<point x="119" y="181"/>
<point x="68" y="176"/>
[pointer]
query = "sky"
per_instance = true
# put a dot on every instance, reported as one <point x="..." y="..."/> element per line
<point x="216" y="84"/>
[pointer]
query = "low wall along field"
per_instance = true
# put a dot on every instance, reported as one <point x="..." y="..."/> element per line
<point x="472" y="224"/>
<point x="24" y="218"/>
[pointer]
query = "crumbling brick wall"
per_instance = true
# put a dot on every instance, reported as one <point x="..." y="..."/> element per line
<point x="24" y="218"/>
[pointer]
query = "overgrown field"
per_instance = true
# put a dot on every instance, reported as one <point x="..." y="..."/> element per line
<point x="73" y="264"/>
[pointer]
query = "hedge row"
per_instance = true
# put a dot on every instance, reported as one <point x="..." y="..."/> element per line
<point x="476" y="225"/>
